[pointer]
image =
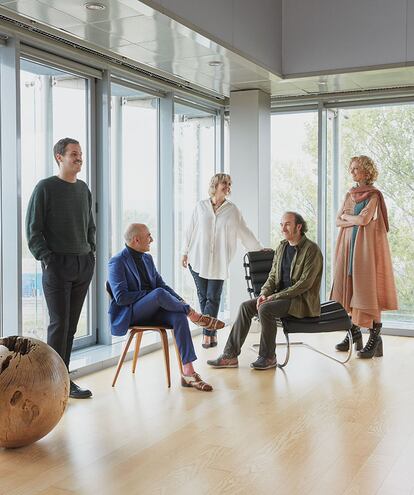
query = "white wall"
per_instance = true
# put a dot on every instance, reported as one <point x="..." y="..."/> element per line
<point x="330" y="35"/>
<point x="251" y="28"/>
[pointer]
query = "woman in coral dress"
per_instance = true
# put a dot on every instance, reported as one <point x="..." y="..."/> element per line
<point x="363" y="278"/>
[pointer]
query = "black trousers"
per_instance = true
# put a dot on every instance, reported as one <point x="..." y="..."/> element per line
<point x="65" y="284"/>
<point x="268" y="312"/>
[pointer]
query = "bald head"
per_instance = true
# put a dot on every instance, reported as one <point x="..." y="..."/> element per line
<point x="138" y="237"/>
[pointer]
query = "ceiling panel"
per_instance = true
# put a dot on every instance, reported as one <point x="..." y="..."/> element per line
<point x="76" y="8"/>
<point x="177" y="48"/>
<point x="325" y="84"/>
<point x="140" y="54"/>
<point x="132" y="30"/>
<point x="138" y="29"/>
<point x="43" y="13"/>
<point x="139" y="7"/>
<point x="403" y="76"/>
<point x="97" y="36"/>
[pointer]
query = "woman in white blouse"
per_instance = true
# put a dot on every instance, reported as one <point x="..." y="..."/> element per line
<point x="210" y="244"/>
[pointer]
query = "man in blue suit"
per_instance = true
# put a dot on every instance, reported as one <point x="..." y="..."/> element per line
<point x="141" y="297"/>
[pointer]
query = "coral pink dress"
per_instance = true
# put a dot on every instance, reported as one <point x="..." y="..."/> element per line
<point x="363" y="277"/>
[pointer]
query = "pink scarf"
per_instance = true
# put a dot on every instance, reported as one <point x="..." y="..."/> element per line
<point x="361" y="193"/>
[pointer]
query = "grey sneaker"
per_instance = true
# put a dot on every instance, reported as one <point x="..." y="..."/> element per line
<point x="224" y="362"/>
<point x="262" y="363"/>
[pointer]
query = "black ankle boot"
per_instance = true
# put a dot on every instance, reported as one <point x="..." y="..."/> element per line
<point x="374" y="344"/>
<point x="356" y="338"/>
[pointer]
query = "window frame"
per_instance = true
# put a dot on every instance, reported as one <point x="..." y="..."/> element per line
<point x="70" y="68"/>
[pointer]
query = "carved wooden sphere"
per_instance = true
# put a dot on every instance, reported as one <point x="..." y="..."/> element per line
<point x="34" y="389"/>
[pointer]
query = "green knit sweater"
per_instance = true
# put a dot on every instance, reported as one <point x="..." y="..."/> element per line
<point x="59" y="219"/>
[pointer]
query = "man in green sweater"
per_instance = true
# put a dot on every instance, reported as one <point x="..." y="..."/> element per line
<point x="61" y="234"/>
<point x="292" y="288"/>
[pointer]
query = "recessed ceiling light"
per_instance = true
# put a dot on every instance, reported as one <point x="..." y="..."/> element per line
<point x="94" y="6"/>
<point x="215" y="63"/>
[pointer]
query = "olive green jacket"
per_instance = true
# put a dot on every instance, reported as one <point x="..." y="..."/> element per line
<point x="305" y="275"/>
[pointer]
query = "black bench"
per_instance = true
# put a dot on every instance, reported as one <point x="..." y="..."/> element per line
<point x="333" y="317"/>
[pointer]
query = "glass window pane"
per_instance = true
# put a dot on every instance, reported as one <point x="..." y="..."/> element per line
<point x="134" y="163"/>
<point x="385" y="134"/>
<point x="134" y="167"/>
<point x="194" y="165"/>
<point x="53" y="105"/>
<point x="294" y="172"/>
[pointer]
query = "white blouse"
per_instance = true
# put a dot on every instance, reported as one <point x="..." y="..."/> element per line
<point x="211" y="238"/>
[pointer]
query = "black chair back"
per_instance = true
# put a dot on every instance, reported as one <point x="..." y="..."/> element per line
<point x="257" y="265"/>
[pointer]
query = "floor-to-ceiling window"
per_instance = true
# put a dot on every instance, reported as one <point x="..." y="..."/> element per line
<point x="385" y="134"/>
<point x="134" y="163"/>
<point x="194" y="165"/>
<point x="379" y="131"/>
<point x="54" y="104"/>
<point x="294" y="169"/>
<point x="134" y="167"/>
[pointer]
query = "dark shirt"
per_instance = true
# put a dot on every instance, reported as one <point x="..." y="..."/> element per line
<point x="59" y="219"/>
<point x="143" y="274"/>
<point x="287" y="259"/>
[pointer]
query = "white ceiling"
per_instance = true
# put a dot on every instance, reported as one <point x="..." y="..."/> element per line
<point x="135" y="32"/>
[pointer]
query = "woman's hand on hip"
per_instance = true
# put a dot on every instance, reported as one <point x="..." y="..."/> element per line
<point x="184" y="261"/>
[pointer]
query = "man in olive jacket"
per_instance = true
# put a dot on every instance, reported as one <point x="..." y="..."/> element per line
<point x="292" y="288"/>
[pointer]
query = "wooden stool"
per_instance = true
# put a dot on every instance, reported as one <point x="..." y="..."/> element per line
<point x="137" y="332"/>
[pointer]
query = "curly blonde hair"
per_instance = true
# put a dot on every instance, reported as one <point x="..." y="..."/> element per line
<point x="215" y="180"/>
<point x="368" y="166"/>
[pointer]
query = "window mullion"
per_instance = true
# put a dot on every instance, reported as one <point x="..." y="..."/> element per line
<point x="322" y="187"/>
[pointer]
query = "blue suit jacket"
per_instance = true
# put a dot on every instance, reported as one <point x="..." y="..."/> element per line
<point x="125" y="284"/>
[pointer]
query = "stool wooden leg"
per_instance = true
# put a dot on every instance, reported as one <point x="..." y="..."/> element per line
<point x="122" y="357"/>
<point x="138" y="339"/>
<point x="164" y="341"/>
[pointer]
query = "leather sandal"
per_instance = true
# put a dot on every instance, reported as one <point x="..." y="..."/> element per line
<point x="196" y="382"/>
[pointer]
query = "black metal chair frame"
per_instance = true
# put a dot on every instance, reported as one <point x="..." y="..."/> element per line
<point x="284" y="323"/>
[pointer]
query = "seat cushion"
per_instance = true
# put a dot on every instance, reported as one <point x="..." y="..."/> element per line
<point x="333" y="318"/>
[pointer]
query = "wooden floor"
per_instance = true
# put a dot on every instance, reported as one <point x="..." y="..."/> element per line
<point x="316" y="428"/>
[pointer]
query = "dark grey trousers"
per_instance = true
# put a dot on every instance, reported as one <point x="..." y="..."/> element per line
<point x="268" y="312"/>
<point x="65" y="284"/>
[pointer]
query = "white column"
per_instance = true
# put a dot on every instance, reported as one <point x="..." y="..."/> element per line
<point x="250" y="172"/>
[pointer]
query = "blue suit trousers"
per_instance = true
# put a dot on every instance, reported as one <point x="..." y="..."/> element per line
<point x="161" y="308"/>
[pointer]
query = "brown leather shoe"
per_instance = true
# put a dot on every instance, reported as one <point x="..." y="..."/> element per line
<point x="205" y="321"/>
